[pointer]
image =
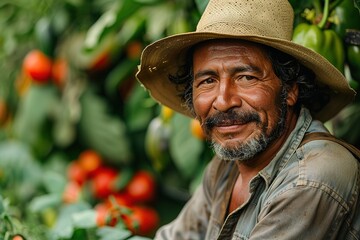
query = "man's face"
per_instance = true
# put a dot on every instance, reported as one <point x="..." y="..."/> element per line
<point x="238" y="98"/>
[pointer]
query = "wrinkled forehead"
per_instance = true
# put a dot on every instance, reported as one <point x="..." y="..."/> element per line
<point x="227" y="46"/>
<point x="237" y="51"/>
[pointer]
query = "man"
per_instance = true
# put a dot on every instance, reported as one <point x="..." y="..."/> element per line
<point x="257" y="94"/>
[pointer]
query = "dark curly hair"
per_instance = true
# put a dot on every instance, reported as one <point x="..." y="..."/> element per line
<point x="286" y="68"/>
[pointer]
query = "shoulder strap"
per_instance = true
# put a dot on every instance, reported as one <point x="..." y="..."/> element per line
<point x="327" y="136"/>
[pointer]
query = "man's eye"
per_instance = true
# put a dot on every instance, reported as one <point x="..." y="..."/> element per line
<point x="248" y="78"/>
<point x="207" y="81"/>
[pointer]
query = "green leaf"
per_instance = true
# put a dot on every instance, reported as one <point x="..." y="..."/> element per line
<point x="64" y="130"/>
<point x="346" y="124"/>
<point x="94" y="34"/>
<point x="65" y="226"/>
<point x="40" y="203"/>
<point x="299" y="6"/>
<point x="2" y="207"/>
<point x="124" y="178"/>
<point x="158" y="20"/>
<point x="44" y="35"/>
<point x="148" y="1"/>
<point x="84" y="219"/>
<point x="138" y="238"/>
<point x="357" y="4"/>
<point x="185" y="149"/>
<point x="138" y="109"/>
<point x="119" y="74"/>
<point x="110" y="233"/>
<point x="131" y="28"/>
<point x="19" y="169"/>
<point x="201" y="5"/>
<point x="33" y="114"/>
<point x="113" y="18"/>
<point x="102" y="131"/>
<point x="54" y="182"/>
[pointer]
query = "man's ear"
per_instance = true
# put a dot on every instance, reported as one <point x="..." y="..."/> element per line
<point x="292" y="96"/>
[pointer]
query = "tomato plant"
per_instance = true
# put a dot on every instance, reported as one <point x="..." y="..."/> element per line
<point x="119" y="199"/>
<point x="103" y="182"/>
<point x="141" y="187"/>
<point x="59" y="72"/>
<point x="105" y="215"/>
<point x="72" y="192"/>
<point x="76" y="173"/>
<point x="38" y="66"/>
<point x="142" y="220"/>
<point x="90" y="161"/>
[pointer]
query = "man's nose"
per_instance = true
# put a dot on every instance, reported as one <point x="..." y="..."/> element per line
<point x="228" y="96"/>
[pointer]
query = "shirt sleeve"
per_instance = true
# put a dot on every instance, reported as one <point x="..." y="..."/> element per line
<point x="192" y="222"/>
<point x="300" y="213"/>
<point x="317" y="204"/>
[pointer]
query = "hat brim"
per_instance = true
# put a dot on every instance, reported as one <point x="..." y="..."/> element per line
<point x="164" y="57"/>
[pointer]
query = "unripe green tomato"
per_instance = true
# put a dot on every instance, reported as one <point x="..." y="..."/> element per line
<point x="353" y="58"/>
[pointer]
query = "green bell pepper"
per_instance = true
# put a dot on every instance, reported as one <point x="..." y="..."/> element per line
<point x="347" y="17"/>
<point x="325" y="42"/>
<point x="352" y="41"/>
<point x="353" y="59"/>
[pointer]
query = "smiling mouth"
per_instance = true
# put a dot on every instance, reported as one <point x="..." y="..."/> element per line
<point x="230" y="127"/>
<point x="231" y="121"/>
<point x="225" y="123"/>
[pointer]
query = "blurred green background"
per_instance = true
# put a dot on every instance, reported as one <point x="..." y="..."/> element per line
<point x="67" y="86"/>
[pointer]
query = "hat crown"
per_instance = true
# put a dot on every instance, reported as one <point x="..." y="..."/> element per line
<point x="269" y="18"/>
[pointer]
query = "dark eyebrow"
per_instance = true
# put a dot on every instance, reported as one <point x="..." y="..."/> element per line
<point x="204" y="73"/>
<point x="245" y="68"/>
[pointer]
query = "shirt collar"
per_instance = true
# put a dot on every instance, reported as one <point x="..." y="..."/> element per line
<point x="289" y="147"/>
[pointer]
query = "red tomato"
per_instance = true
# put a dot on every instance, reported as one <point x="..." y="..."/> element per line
<point x="104" y="216"/>
<point x="59" y="72"/>
<point x="72" y="192"/>
<point x="101" y="62"/>
<point x="17" y="237"/>
<point x="90" y="161"/>
<point x="142" y="220"/>
<point x="38" y="66"/>
<point x="103" y="182"/>
<point x="76" y="173"/>
<point x="122" y="199"/>
<point x="101" y="214"/>
<point x="141" y="187"/>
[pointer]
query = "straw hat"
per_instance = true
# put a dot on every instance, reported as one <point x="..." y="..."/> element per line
<point x="267" y="22"/>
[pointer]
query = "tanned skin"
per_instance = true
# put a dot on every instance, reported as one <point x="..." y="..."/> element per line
<point x="239" y="76"/>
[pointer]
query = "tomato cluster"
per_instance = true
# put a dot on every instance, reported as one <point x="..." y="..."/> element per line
<point x="117" y="196"/>
<point x="42" y="69"/>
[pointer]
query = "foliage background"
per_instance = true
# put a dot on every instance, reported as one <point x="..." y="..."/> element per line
<point x="99" y="105"/>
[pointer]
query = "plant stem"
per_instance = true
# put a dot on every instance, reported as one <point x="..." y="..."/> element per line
<point x="325" y="15"/>
<point x="317" y="6"/>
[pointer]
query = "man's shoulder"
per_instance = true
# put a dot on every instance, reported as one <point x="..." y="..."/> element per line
<point x="326" y="153"/>
<point x="328" y="163"/>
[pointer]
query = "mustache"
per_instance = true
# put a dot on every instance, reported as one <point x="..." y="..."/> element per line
<point x="230" y="117"/>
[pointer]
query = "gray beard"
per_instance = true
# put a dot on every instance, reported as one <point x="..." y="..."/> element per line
<point x="245" y="151"/>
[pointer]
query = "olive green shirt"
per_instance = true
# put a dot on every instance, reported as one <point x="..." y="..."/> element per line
<point x="307" y="192"/>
